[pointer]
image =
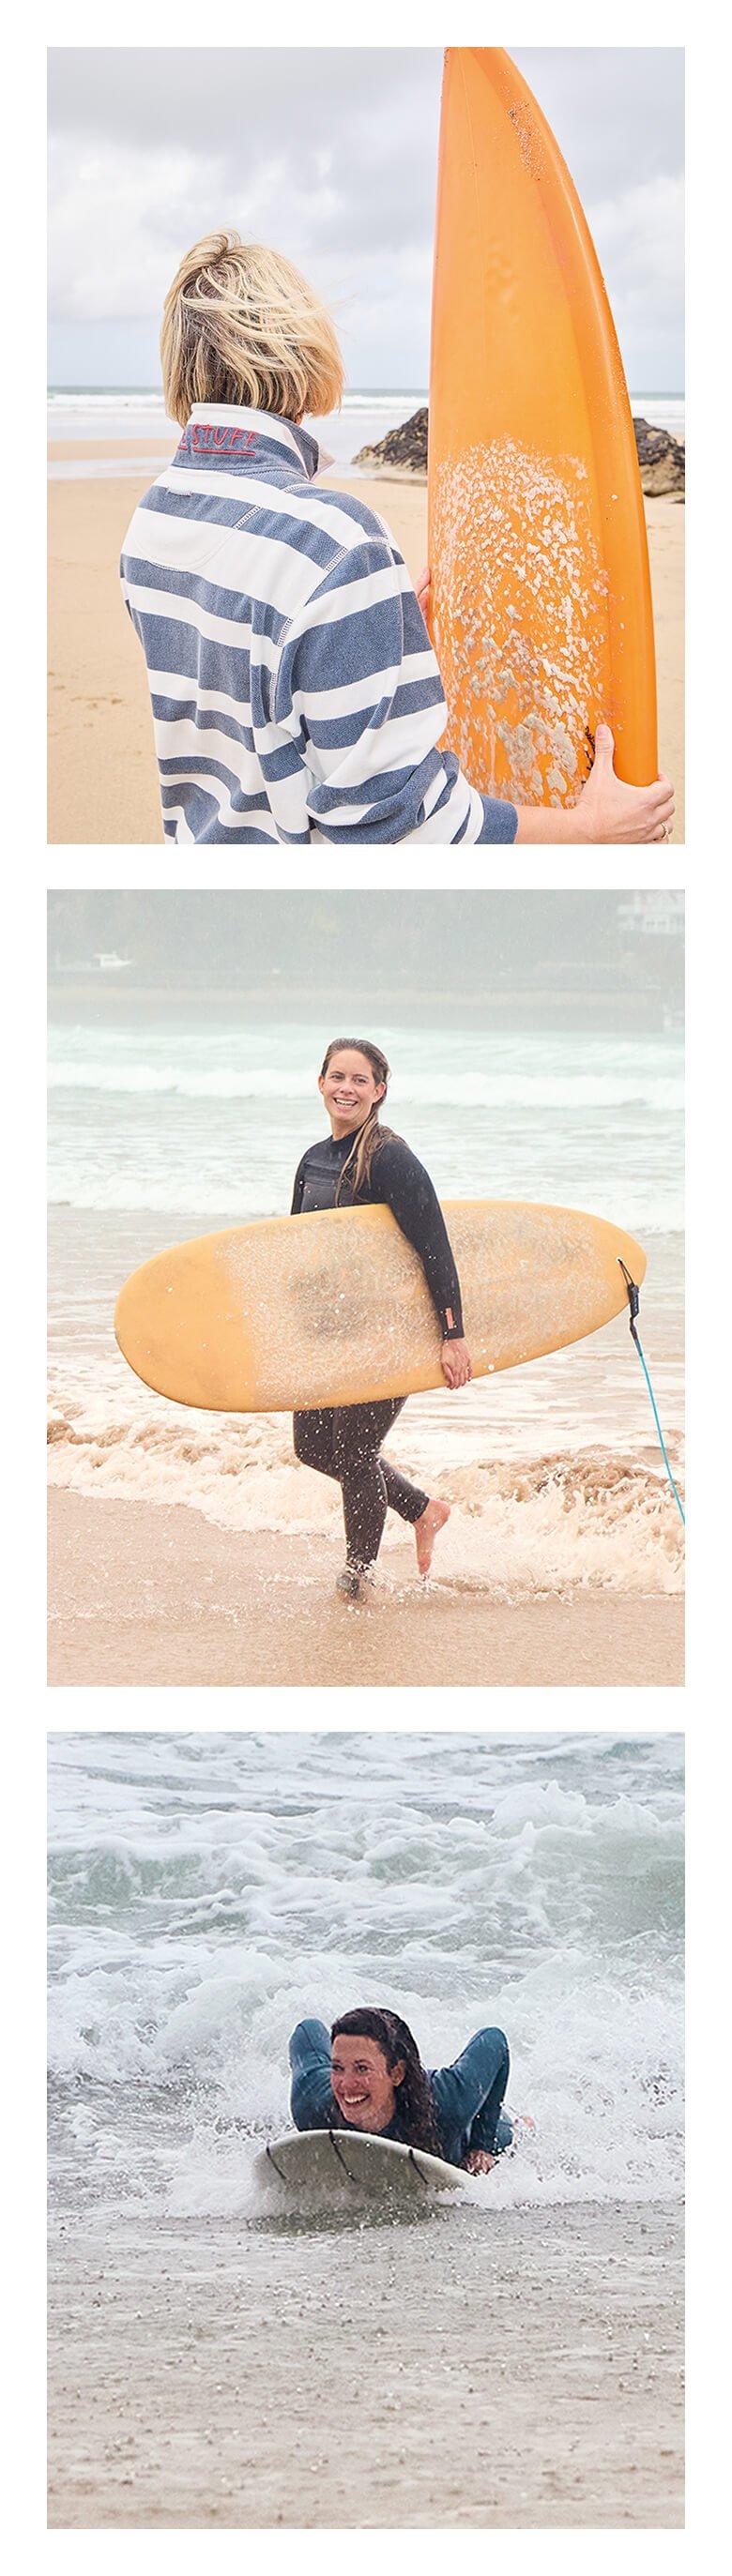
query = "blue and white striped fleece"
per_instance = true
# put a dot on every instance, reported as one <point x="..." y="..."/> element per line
<point x="295" y="693"/>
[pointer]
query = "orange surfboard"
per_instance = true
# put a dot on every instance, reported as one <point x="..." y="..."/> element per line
<point x="334" y="1308"/>
<point x="541" y="602"/>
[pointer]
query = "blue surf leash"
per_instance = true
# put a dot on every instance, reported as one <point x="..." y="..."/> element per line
<point x="632" y="1292"/>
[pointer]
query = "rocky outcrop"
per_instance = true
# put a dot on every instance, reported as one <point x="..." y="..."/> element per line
<point x="404" y="451"/>
<point x="662" y="460"/>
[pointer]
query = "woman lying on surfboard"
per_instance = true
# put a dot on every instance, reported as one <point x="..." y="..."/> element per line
<point x="295" y="693"/>
<point x="359" y="1164"/>
<point x="369" y="2075"/>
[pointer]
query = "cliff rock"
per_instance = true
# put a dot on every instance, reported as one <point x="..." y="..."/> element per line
<point x="404" y="451"/>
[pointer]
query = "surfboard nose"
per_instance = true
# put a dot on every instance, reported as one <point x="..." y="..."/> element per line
<point x="541" y="599"/>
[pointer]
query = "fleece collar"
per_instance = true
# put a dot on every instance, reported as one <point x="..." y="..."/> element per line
<point x="256" y="442"/>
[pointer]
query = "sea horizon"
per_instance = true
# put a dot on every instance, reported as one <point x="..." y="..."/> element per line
<point x="129" y="413"/>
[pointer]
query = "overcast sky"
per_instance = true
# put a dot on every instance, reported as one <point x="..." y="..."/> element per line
<point x="330" y="156"/>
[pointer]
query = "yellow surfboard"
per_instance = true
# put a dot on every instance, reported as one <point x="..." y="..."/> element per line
<point x="334" y="1308"/>
<point x="541" y="598"/>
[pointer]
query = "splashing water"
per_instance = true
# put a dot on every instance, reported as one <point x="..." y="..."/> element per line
<point x="208" y="1890"/>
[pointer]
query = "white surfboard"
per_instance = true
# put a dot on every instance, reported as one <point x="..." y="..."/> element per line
<point x="325" y="2163"/>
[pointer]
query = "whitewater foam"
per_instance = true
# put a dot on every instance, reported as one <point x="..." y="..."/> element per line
<point x="206" y="1892"/>
<point x="519" y="1524"/>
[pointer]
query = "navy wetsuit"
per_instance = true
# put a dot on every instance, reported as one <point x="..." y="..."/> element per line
<point x="344" y="1441"/>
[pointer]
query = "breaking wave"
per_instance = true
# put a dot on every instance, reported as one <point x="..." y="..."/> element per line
<point x="207" y="1891"/>
<point x="517" y="1527"/>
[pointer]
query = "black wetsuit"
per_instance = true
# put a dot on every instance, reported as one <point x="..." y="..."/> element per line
<point x="344" y="1441"/>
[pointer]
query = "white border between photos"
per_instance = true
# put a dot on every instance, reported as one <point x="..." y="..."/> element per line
<point x="699" y="1708"/>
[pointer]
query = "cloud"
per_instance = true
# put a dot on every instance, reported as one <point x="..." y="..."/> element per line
<point x="330" y="154"/>
<point x="640" y="243"/>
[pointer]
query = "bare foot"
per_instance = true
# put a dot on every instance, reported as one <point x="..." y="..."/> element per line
<point x="426" y="1530"/>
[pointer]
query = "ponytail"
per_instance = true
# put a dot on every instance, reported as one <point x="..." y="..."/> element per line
<point x="365" y="1145"/>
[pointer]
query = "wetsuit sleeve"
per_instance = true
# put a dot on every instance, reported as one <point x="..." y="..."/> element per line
<point x="471" y="2090"/>
<point x="311" y="2101"/>
<point x="359" y="693"/>
<point x="402" y="1183"/>
<point x="298" y="1187"/>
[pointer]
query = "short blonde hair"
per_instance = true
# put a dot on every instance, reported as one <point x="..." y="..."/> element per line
<point x="240" y="325"/>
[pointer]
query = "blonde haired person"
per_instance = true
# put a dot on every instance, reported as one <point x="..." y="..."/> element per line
<point x="295" y="693"/>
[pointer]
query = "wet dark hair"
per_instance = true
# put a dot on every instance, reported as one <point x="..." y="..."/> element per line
<point x="371" y="1134"/>
<point x="414" y="2113"/>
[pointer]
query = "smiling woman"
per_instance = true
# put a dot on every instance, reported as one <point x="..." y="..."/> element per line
<point x="269" y="2322"/>
<point x="370" y="2077"/>
<point x="365" y="1163"/>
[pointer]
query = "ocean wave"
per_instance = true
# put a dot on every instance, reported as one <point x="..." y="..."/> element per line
<point x="666" y="409"/>
<point x="79" y="399"/>
<point x="207" y="1891"/>
<point x="147" y="399"/>
<point x="517" y="1528"/>
<point x="597" y="2068"/>
<point x="188" y="2063"/>
<point x="539" y="1860"/>
<point x="167" y="1192"/>
<point x="472" y="1090"/>
<point x="223" y="1195"/>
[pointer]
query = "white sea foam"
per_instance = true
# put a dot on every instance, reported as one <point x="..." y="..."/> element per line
<point x="186" y="1204"/>
<point x="206" y="1892"/>
<point x="159" y="1139"/>
<point x="539" y="1525"/>
<point x="210" y="1119"/>
<point x="451" y="1090"/>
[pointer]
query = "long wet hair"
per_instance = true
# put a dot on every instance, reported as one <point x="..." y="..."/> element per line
<point x="368" y="1137"/>
<point x="414" y="2105"/>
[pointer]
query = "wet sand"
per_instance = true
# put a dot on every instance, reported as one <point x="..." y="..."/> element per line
<point x="102" y="773"/>
<point x="525" y="2372"/>
<point x="145" y="1594"/>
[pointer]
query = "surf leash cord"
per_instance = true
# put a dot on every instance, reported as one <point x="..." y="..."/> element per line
<point x="632" y="1292"/>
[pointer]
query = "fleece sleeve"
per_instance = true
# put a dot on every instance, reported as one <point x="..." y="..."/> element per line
<point x="359" y="692"/>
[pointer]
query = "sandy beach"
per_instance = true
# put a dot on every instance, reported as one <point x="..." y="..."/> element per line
<point x="231" y="2376"/>
<point x="102" y="776"/>
<point x="144" y="1595"/>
